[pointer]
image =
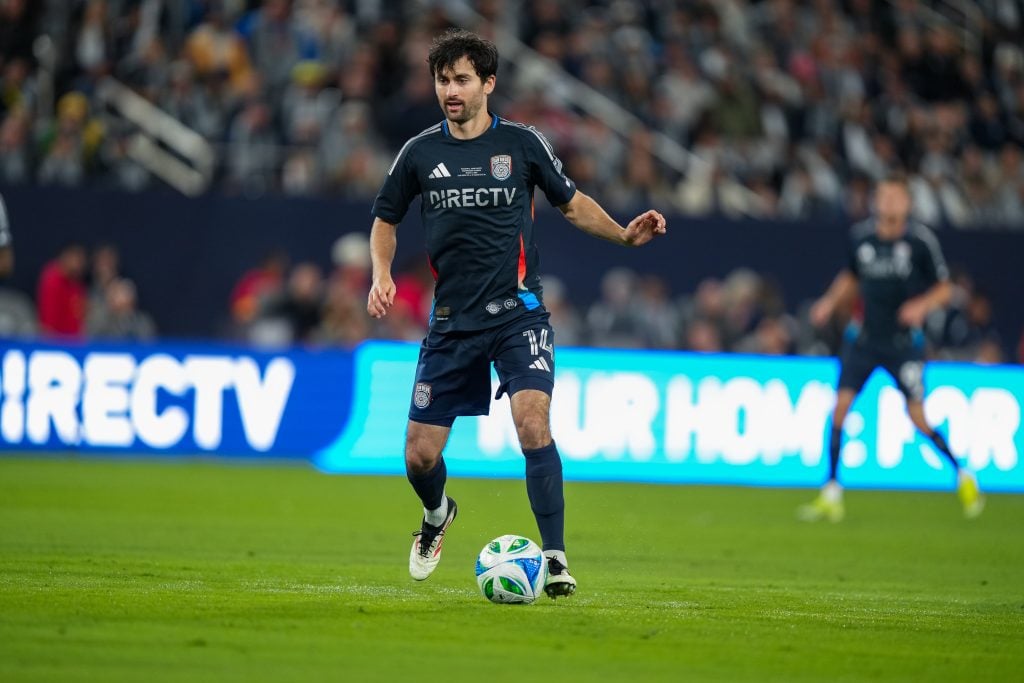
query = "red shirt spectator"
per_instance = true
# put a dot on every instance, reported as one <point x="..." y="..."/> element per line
<point x="61" y="296"/>
<point x="257" y="285"/>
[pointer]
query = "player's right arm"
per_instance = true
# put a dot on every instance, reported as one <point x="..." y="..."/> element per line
<point x="383" y="241"/>
<point x="842" y="290"/>
<point x="399" y="188"/>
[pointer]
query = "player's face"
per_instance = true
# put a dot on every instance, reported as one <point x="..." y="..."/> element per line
<point x="892" y="203"/>
<point x="461" y="93"/>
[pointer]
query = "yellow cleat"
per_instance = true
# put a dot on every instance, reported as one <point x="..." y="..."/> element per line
<point x="828" y="505"/>
<point x="969" y="494"/>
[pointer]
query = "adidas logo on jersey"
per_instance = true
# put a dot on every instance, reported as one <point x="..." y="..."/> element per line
<point x="440" y="171"/>
<point x="540" y="364"/>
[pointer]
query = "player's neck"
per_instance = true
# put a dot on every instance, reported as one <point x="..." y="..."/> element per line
<point x="891" y="229"/>
<point x="473" y="128"/>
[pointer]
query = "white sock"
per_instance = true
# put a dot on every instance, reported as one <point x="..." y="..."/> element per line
<point x="437" y="517"/>
<point x="832" y="491"/>
<point x="558" y="555"/>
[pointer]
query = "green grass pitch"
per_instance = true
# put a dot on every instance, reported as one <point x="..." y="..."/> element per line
<point x="204" y="571"/>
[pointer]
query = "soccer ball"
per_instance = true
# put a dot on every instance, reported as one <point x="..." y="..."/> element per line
<point x="511" y="570"/>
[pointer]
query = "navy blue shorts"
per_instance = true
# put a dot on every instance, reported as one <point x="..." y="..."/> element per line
<point x="453" y="375"/>
<point x="906" y="366"/>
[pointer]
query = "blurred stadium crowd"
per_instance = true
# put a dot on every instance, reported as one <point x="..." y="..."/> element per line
<point x="793" y="108"/>
<point x="278" y="303"/>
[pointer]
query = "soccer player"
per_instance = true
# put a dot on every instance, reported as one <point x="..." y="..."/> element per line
<point x="899" y="269"/>
<point x="475" y="174"/>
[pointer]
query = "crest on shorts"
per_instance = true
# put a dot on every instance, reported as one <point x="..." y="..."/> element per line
<point x="494" y="308"/>
<point x="501" y="166"/>
<point x="421" y="395"/>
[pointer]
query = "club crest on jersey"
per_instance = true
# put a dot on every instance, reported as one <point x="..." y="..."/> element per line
<point x="501" y="166"/>
<point x="421" y="395"/>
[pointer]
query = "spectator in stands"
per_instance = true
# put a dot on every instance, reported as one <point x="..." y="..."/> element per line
<point x="15" y="150"/>
<point x="252" y="163"/>
<point x="17" y="316"/>
<point x="17" y="90"/>
<point x="702" y="336"/>
<point x="214" y="50"/>
<point x="195" y="99"/>
<point x="657" y="318"/>
<point x="117" y="315"/>
<point x="276" y="42"/>
<point x="106" y="269"/>
<point x="61" y="295"/>
<point x="783" y="83"/>
<point x="564" y="316"/>
<point x="92" y="47"/>
<point x="72" y="143"/>
<point x="773" y="336"/>
<point x="294" y="315"/>
<point x="612" y="320"/>
<point x="345" y="321"/>
<point x="257" y="287"/>
<point x="18" y="25"/>
<point x="352" y="157"/>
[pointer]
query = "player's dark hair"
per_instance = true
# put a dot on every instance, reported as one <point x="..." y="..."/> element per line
<point x="896" y="178"/>
<point x="456" y="43"/>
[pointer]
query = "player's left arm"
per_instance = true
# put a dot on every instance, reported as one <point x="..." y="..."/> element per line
<point x="914" y="310"/>
<point x="587" y="215"/>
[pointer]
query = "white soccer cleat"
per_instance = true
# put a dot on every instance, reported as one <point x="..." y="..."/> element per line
<point x="559" y="582"/>
<point x="427" y="543"/>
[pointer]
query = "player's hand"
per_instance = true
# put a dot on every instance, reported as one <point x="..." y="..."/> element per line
<point x="912" y="313"/>
<point x="382" y="296"/>
<point x="644" y="228"/>
<point x="821" y="312"/>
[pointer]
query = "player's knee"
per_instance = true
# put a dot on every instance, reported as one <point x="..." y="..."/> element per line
<point x="533" y="430"/>
<point x="420" y="455"/>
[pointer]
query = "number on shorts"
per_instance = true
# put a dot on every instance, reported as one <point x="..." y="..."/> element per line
<point x="536" y="346"/>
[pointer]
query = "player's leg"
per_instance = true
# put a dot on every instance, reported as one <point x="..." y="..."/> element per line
<point x="524" y="358"/>
<point x="829" y="502"/>
<point x="531" y="409"/>
<point x="856" y="365"/>
<point x="909" y="377"/>
<point x="844" y="399"/>
<point x="426" y="471"/>
<point x="452" y="378"/>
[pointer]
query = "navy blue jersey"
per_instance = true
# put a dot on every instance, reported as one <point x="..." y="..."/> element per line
<point x="477" y="208"/>
<point x="891" y="272"/>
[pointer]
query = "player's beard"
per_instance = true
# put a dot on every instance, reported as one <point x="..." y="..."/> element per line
<point x="469" y="111"/>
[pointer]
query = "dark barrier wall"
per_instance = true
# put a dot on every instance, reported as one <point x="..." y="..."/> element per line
<point x="186" y="254"/>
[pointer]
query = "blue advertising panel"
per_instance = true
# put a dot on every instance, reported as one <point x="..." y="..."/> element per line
<point x="171" y="398"/>
<point x="680" y="417"/>
<point x="616" y="415"/>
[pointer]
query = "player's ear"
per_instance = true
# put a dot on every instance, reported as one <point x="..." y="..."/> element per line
<point x="489" y="84"/>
